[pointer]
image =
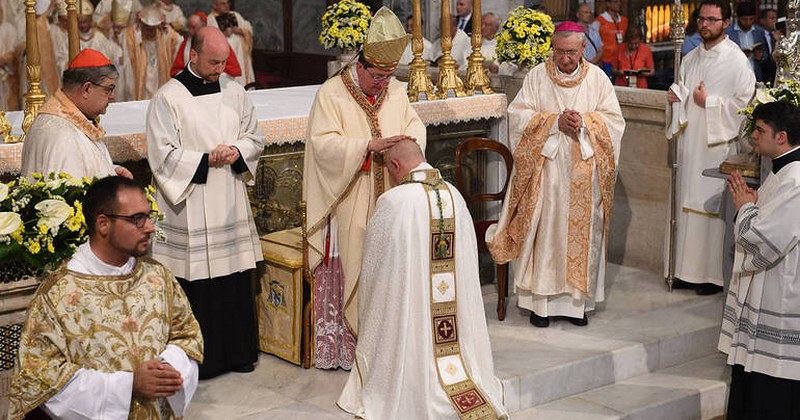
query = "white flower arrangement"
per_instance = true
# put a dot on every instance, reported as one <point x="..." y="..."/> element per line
<point x="525" y="37"/>
<point x="786" y="91"/>
<point x="344" y="25"/>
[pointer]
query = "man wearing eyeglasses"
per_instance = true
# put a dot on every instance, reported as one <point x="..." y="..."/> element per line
<point x="66" y="136"/>
<point x="565" y="127"/>
<point x="356" y="116"/>
<point x="715" y="81"/>
<point x="110" y="334"/>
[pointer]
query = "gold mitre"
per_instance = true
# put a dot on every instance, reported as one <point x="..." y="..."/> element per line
<point x="85" y="8"/>
<point x="121" y="11"/>
<point x="386" y="40"/>
<point x="61" y="8"/>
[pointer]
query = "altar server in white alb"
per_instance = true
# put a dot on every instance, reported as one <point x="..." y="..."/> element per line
<point x="761" y="320"/>
<point x="65" y="136"/>
<point x="423" y="350"/>
<point x="565" y="128"/>
<point x="203" y="149"/>
<point x="715" y="81"/>
<point x="239" y="33"/>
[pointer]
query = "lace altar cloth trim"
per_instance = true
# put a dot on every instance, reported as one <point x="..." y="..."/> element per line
<point x="290" y="129"/>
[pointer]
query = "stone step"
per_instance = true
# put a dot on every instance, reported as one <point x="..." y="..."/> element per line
<point x="639" y="329"/>
<point x="693" y="390"/>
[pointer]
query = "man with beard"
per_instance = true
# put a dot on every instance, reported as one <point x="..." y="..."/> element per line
<point x="109" y="334"/>
<point x="203" y="150"/>
<point x="716" y="80"/>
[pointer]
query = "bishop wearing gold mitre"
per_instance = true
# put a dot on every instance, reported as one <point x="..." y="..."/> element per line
<point x="356" y="116"/>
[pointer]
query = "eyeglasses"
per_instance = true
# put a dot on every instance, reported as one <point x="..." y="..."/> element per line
<point x="571" y="53"/>
<point x="109" y="89"/>
<point x="381" y="77"/>
<point x="137" y="219"/>
<point x="710" y="20"/>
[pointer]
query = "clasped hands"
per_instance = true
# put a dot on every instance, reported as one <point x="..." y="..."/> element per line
<point x="740" y="191"/>
<point x="380" y="145"/>
<point x="156" y="379"/>
<point x="223" y="155"/>
<point x="570" y="122"/>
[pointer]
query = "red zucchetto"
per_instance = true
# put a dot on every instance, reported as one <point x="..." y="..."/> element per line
<point x="89" y="58"/>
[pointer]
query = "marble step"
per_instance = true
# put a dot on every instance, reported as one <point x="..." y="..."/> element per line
<point x="640" y="328"/>
<point x="693" y="390"/>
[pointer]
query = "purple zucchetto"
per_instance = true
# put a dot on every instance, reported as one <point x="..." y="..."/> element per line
<point x="569" y="26"/>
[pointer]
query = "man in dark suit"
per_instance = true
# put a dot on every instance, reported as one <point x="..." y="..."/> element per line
<point x="464" y="13"/>
<point x="751" y="38"/>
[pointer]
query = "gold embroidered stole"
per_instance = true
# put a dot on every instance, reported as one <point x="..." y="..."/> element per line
<point x="138" y="56"/>
<point x="526" y="187"/>
<point x="466" y="397"/>
<point x="60" y="105"/>
<point x="371" y="111"/>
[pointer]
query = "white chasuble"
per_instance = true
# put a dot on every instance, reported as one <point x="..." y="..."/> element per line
<point x="560" y="241"/>
<point x="423" y="350"/>
<point x="335" y="180"/>
<point x="706" y="138"/>
<point x="209" y="226"/>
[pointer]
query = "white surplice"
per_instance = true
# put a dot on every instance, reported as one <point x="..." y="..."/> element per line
<point x="541" y="269"/>
<point x="706" y="140"/>
<point x="394" y="376"/>
<point x="92" y="394"/>
<point x="209" y="227"/>
<point x="761" y="320"/>
<point x="427" y="53"/>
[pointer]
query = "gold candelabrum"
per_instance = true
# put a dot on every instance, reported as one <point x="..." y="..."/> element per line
<point x="477" y="76"/>
<point x="418" y="79"/>
<point x="35" y="96"/>
<point x="5" y="129"/>
<point x="448" y="78"/>
<point x="72" y="29"/>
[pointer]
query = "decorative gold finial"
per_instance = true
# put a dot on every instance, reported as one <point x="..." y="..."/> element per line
<point x="72" y="29"/>
<point x="35" y="96"/>
<point x="418" y="79"/>
<point x="477" y="75"/>
<point x="448" y="79"/>
<point x="5" y="129"/>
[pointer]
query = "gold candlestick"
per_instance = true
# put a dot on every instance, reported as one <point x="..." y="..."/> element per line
<point x="418" y="79"/>
<point x="72" y="29"/>
<point x="35" y="97"/>
<point x="477" y="75"/>
<point x="5" y="130"/>
<point x="448" y="79"/>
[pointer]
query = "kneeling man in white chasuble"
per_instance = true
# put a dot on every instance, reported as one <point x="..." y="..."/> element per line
<point x="565" y="129"/>
<point x="423" y="350"/>
<point x="109" y="334"/>
<point x="761" y="320"/>
<point x="203" y="149"/>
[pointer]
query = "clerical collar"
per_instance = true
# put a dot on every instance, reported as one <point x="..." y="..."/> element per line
<point x="195" y="84"/>
<point x="85" y="261"/>
<point x="785" y="159"/>
<point x="570" y="75"/>
<point x="354" y="75"/>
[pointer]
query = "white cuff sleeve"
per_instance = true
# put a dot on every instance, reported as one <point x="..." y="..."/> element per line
<point x="92" y="394"/>
<point x="187" y="367"/>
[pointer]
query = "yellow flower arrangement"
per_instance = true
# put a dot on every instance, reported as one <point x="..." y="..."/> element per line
<point x="524" y="39"/>
<point x="345" y="25"/>
<point x="786" y="91"/>
<point x="42" y="222"/>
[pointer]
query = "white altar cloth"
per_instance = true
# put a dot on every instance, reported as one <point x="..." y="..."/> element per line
<point x="282" y="119"/>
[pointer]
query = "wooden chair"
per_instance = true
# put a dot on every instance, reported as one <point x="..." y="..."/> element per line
<point x="467" y="146"/>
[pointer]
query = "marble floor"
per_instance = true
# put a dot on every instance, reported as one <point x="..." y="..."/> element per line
<point x="646" y="353"/>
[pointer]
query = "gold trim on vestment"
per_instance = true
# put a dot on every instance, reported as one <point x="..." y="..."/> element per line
<point x="468" y="400"/>
<point x="550" y="66"/>
<point x="701" y="213"/>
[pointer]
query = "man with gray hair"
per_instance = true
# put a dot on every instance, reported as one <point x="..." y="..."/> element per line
<point x="565" y="127"/>
<point x="65" y="136"/>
